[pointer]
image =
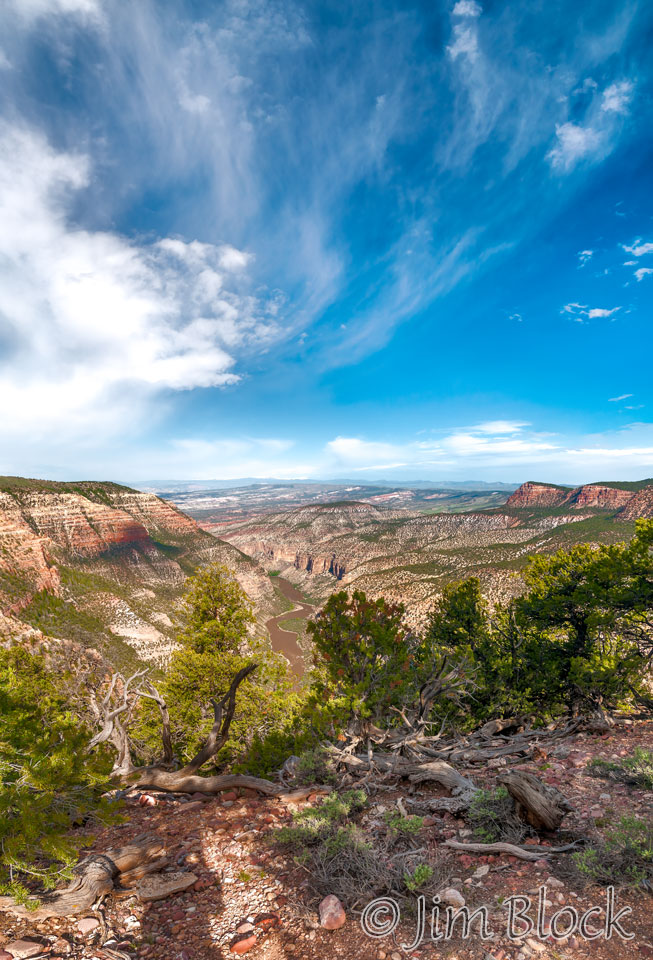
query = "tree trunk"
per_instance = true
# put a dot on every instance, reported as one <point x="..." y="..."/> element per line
<point x="94" y="877"/>
<point x="536" y="803"/>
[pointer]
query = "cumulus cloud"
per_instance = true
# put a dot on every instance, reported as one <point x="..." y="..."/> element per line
<point x="643" y="272"/>
<point x="465" y="35"/>
<point x="581" y="312"/>
<point x="638" y="249"/>
<point x="591" y="138"/>
<point x="467" y="8"/>
<point x="616" y="97"/>
<point x="585" y="256"/>
<point x="622" y="396"/>
<point x="574" y="143"/>
<point x="94" y="325"/>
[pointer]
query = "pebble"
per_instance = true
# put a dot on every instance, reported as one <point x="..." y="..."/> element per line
<point x="87" y="925"/>
<point x="453" y="897"/>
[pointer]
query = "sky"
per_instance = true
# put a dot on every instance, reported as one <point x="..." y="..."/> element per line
<point x="386" y="239"/>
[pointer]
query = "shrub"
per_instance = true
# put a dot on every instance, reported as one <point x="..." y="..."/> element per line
<point x="623" y="859"/>
<point x="365" y="657"/>
<point x="49" y="784"/>
<point x="491" y="815"/>
<point x="636" y="770"/>
<point x="402" y="826"/>
<point x="420" y="876"/>
<point x="315" y="766"/>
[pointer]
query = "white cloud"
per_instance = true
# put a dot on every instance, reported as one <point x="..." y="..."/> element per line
<point x="95" y="326"/>
<point x="501" y="426"/>
<point x="638" y="249"/>
<point x="601" y="312"/>
<point x="581" y="312"/>
<point x="465" y="42"/>
<point x="585" y="256"/>
<point x="643" y="272"/>
<point x="467" y="8"/>
<point x="574" y="143"/>
<point x="616" y="97"/>
<point x="31" y="9"/>
<point x="593" y="137"/>
<point x="623" y="396"/>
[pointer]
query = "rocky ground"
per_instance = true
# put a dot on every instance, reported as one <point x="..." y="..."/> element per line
<point x="248" y="897"/>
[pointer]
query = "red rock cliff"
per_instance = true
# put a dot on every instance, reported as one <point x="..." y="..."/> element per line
<point x="537" y="495"/>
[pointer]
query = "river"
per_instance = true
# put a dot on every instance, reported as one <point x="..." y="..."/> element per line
<point x="283" y="641"/>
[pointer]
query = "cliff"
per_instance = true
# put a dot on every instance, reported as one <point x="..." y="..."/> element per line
<point x="596" y="496"/>
<point x="639" y="505"/>
<point x="104" y="565"/>
<point x="532" y="494"/>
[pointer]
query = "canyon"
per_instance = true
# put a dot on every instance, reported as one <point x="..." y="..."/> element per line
<point x="390" y="548"/>
<point x="104" y="565"/>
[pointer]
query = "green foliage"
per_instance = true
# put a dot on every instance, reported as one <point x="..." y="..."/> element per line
<point x="579" y="636"/>
<point x="315" y="766"/>
<point x="637" y="769"/>
<point x="491" y="815"/>
<point x="420" y="876"/>
<point x="402" y="826"/>
<point x="325" y="823"/>
<point x="365" y="656"/>
<point x="57" y="617"/>
<point x="213" y="620"/>
<point x="623" y="859"/>
<point x="49" y="783"/>
<point x="215" y="612"/>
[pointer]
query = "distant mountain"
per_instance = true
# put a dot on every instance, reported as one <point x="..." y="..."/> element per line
<point x="166" y="488"/>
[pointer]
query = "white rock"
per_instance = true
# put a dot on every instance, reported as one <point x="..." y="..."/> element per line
<point x="453" y="897"/>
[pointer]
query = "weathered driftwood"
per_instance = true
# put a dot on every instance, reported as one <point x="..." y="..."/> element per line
<point x="523" y="853"/>
<point x="94" y="877"/>
<point x="434" y="771"/>
<point x="537" y="803"/>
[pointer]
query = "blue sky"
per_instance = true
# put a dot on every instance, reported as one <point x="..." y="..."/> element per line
<point x="409" y="240"/>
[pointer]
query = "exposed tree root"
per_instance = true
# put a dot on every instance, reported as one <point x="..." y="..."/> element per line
<point x="94" y="878"/>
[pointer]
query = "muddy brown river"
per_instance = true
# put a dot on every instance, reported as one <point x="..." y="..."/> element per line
<point x="283" y="641"/>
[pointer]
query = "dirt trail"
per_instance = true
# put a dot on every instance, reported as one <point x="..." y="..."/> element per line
<point x="282" y="640"/>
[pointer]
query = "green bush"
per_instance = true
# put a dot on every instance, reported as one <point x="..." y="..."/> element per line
<point x="623" y="859"/>
<point x="315" y="765"/>
<point x="49" y="784"/>
<point x="636" y="770"/>
<point x="402" y="826"/>
<point x="420" y="876"/>
<point x="491" y="815"/>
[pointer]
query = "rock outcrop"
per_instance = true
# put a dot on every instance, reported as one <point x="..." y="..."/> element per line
<point x="594" y="496"/>
<point x="73" y="541"/>
<point x="532" y="494"/>
<point x="639" y="505"/>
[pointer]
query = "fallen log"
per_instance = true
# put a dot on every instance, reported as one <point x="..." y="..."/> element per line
<point x="539" y="804"/>
<point x="94" y="877"/>
<point x="523" y="853"/>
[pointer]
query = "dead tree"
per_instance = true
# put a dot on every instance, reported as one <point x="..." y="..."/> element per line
<point x="94" y="877"/>
<point x="536" y="803"/>
<point x="188" y="779"/>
